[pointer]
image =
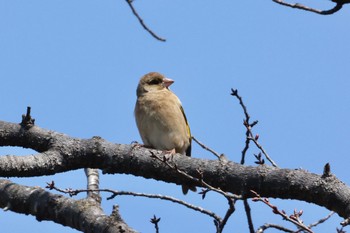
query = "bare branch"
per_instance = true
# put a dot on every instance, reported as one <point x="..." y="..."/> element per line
<point x="229" y="212"/>
<point x="257" y="144"/>
<point x="60" y="153"/>
<point x="142" y="23"/>
<point x="206" y="148"/>
<point x="163" y="197"/>
<point x="337" y="7"/>
<point x="322" y="220"/>
<point x="93" y="183"/>
<point x="249" y="216"/>
<point x="278" y="227"/>
<point x="294" y="218"/>
<point x="73" y="192"/>
<point x="196" y="180"/>
<point x="155" y="221"/>
<point x="220" y="224"/>
<point x="249" y="133"/>
<point x="281" y="228"/>
<point x="27" y="120"/>
<point x="78" y="214"/>
<point x="234" y="92"/>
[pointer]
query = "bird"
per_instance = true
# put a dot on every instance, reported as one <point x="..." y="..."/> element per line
<point x="160" y="118"/>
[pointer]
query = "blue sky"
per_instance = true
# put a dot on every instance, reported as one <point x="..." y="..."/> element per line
<point x="77" y="64"/>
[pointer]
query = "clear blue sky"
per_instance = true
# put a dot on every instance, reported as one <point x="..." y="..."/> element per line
<point x="77" y="64"/>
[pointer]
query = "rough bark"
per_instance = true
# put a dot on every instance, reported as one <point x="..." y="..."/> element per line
<point x="83" y="215"/>
<point x="60" y="153"/>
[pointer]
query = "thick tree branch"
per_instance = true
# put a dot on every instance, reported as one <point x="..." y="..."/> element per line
<point x="66" y="153"/>
<point x="78" y="214"/>
<point x="93" y="183"/>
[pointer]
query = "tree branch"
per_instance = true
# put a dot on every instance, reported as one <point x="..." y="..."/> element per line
<point x="93" y="183"/>
<point x="78" y="214"/>
<point x="249" y="133"/>
<point x="64" y="153"/>
<point x="142" y="23"/>
<point x="337" y="7"/>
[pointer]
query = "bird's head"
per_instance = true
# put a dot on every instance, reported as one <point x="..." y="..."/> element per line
<point x="153" y="81"/>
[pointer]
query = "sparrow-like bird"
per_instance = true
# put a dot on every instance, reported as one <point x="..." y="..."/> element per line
<point x="160" y="117"/>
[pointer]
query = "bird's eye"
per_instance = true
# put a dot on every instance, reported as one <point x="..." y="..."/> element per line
<point x="155" y="82"/>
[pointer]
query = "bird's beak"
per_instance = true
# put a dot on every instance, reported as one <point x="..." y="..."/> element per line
<point x="167" y="82"/>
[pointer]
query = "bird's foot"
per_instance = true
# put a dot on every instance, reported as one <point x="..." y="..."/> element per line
<point x="168" y="154"/>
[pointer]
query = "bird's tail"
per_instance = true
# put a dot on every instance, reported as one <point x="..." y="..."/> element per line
<point x="185" y="189"/>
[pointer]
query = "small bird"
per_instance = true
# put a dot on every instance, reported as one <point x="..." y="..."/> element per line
<point x="160" y="117"/>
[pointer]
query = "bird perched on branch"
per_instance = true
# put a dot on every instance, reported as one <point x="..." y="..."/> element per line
<point x="160" y="117"/>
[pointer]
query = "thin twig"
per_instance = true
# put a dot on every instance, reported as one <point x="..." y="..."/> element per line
<point x="234" y="92"/>
<point x="155" y="221"/>
<point x="249" y="133"/>
<point x="270" y="225"/>
<point x="142" y="23"/>
<point x="206" y="148"/>
<point x="245" y="149"/>
<point x="220" y="224"/>
<point x="163" y="197"/>
<point x="340" y="230"/>
<point x="262" y="150"/>
<point x="281" y="228"/>
<point x="229" y="212"/>
<point x="249" y="216"/>
<point x="198" y="180"/>
<point x="336" y="8"/>
<point x="114" y="193"/>
<point x="27" y="120"/>
<point x="294" y="218"/>
<point x="322" y="220"/>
